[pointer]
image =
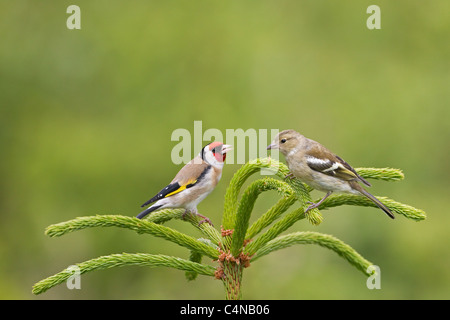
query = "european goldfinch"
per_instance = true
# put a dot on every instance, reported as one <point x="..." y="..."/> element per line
<point x="192" y="183"/>
<point x="315" y="165"/>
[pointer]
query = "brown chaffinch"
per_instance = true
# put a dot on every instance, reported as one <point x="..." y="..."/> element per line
<point x="192" y="183"/>
<point x="315" y="165"/>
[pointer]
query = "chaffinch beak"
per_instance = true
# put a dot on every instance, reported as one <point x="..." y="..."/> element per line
<point x="273" y="146"/>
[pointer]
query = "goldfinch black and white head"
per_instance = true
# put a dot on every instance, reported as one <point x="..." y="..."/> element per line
<point x="192" y="183"/>
<point x="215" y="153"/>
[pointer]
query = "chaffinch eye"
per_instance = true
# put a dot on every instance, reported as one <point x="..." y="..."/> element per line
<point x="283" y="140"/>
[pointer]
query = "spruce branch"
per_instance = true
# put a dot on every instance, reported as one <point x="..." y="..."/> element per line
<point x="270" y="216"/>
<point x="301" y="191"/>
<point x="194" y="257"/>
<point x="332" y="201"/>
<point x="164" y="215"/>
<point x="280" y="226"/>
<point x="232" y="280"/>
<point x="117" y="260"/>
<point x="233" y="189"/>
<point x="197" y="257"/>
<point x="230" y="247"/>
<point x="140" y="226"/>
<point x="212" y="233"/>
<point x="396" y="207"/>
<point x="246" y="206"/>
<point x="279" y="169"/>
<point x="324" y="240"/>
<point x="303" y="196"/>
<point x="385" y="174"/>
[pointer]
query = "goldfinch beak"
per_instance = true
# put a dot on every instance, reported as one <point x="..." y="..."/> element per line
<point x="226" y="148"/>
<point x="272" y="146"/>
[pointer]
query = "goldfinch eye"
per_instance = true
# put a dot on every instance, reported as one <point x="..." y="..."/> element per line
<point x="213" y="150"/>
<point x="283" y="140"/>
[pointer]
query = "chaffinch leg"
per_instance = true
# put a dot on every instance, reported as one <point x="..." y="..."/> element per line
<point x="315" y="205"/>
<point x="290" y="175"/>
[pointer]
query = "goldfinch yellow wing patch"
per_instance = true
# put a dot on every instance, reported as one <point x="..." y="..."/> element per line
<point x="181" y="188"/>
<point x="169" y="190"/>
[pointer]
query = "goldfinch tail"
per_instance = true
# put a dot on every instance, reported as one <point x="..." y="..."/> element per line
<point x="148" y="210"/>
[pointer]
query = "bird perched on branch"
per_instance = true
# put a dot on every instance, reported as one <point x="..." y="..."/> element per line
<point x="315" y="165"/>
<point x="192" y="183"/>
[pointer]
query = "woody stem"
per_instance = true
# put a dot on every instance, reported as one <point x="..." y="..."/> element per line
<point x="232" y="279"/>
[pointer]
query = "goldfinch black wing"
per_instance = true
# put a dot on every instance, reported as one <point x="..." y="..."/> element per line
<point x="191" y="174"/>
<point x="167" y="191"/>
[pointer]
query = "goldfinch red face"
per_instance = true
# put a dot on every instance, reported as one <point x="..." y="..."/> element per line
<point x="285" y="141"/>
<point x="215" y="153"/>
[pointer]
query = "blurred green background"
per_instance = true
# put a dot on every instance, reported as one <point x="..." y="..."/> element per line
<point x="86" y="118"/>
